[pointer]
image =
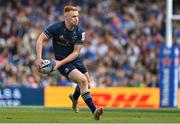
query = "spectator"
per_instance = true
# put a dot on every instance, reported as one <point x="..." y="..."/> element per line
<point x="122" y="41"/>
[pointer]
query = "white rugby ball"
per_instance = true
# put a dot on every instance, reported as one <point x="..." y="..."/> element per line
<point x="47" y="66"/>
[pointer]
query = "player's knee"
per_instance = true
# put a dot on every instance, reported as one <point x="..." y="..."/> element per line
<point x="83" y="81"/>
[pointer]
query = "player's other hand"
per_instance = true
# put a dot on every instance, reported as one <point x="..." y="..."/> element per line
<point x="39" y="63"/>
<point x="58" y="64"/>
<point x="89" y="86"/>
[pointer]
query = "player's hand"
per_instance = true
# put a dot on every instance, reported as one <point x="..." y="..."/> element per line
<point x="39" y="62"/>
<point x="89" y="86"/>
<point x="58" y="64"/>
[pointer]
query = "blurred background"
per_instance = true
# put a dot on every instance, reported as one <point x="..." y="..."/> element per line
<point x="122" y="41"/>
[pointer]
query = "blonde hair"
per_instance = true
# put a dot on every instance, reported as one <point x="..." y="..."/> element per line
<point x="70" y="8"/>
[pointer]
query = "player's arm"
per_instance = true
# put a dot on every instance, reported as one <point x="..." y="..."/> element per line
<point x="39" y="47"/>
<point x="44" y="36"/>
<point x="70" y="57"/>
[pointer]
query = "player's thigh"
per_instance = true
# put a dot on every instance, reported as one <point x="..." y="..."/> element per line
<point x="76" y="76"/>
<point x="66" y="69"/>
<point x="80" y="66"/>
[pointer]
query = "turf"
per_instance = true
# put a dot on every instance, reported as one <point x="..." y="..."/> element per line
<point x="60" y="115"/>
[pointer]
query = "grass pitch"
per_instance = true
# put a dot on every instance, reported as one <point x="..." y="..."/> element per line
<point x="60" y="115"/>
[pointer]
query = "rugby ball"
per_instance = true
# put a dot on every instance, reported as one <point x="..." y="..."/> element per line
<point x="47" y="66"/>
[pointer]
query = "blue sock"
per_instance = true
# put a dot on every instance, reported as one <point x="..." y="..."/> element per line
<point x="76" y="93"/>
<point x="88" y="100"/>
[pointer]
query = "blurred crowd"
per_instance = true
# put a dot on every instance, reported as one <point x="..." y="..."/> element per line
<point x="121" y="48"/>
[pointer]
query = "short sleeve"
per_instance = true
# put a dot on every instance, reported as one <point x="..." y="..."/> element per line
<point x="52" y="30"/>
<point x="81" y="38"/>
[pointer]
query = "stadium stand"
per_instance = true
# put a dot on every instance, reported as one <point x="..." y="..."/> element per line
<point x="121" y="49"/>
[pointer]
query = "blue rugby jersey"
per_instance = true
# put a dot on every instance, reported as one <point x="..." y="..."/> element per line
<point x="63" y="39"/>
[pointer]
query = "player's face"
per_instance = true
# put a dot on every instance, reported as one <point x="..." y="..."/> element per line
<point x="72" y="18"/>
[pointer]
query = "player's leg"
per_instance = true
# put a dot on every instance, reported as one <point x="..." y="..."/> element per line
<point x="76" y="76"/>
<point x="74" y="98"/>
<point x="99" y="111"/>
<point x="80" y="66"/>
<point x="65" y="70"/>
<point x="76" y="93"/>
<point x="88" y="79"/>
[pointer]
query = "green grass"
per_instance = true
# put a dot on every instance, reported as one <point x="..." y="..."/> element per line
<point x="60" y="115"/>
